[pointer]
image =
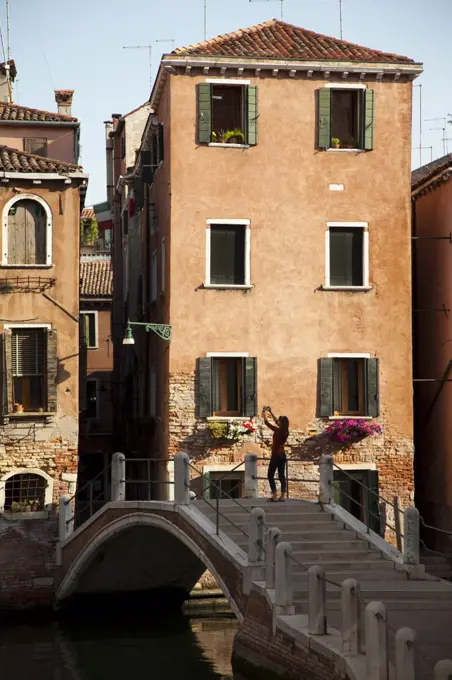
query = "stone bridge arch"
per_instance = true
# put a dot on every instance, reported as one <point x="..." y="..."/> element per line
<point x="77" y="560"/>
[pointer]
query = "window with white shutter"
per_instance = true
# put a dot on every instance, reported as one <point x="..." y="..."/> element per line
<point x="28" y="346"/>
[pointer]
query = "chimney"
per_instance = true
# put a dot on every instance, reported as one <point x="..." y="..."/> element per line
<point x="64" y="100"/>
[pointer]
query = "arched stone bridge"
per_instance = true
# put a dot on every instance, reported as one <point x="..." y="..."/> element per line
<point x="306" y="593"/>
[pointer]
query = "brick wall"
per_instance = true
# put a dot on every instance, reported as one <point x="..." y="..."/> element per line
<point x="258" y="654"/>
<point x="27" y="546"/>
<point x="391" y="452"/>
<point x="27" y="563"/>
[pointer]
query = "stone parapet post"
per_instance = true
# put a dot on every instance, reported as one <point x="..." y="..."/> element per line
<point x="377" y="666"/>
<point x="351" y="617"/>
<point x="317" y="620"/>
<point x="326" y="479"/>
<point x="273" y="538"/>
<point x="251" y="481"/>
<point x="256" y="534"/>
<point x="443" y="670"/>
<point x="118" y="477"/>
<point x="181" y="479"/>
<point x="411" y="549"/>
<point x="404" y="654"/>
<point x="283" y="578"/>
<point x="65" y="518"/>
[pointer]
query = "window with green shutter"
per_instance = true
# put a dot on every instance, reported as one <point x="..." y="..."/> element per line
<point x="227" y="386"/>
<point x="346" y="248"/>
<point x="345" y="118"/>
<point x="348" y="386"/>
<point x="227" y="114"/>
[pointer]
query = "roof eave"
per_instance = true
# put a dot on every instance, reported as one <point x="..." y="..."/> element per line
<point x="44" y="175"/>
<point x="44" y="123"/>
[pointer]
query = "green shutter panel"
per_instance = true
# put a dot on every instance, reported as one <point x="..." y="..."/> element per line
<point x="205" y="386"/>
<point x="373" y="391"/>
<point x="8" y="391"/>
<point x="52" y="368"/>
<point x="250" y="387"/>
<point x="206" y="486"/>
<point x="253" y="115"/>
<point x="161" y="143"/>
<point x="204" y="113"/>
<point x="373" y="513"/>
<point x="369" y="120"/>
<point x="324" y="122"/>
<point x="325" y="387"/>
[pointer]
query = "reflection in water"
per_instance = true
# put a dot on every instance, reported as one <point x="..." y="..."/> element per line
<point x="129" y="649"/>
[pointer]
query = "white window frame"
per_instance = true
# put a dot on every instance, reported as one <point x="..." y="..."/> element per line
<point x="232" y="355"/>
<point x="232" y="222"/>
<point x="232" y="82"/>
<point x="49" y="231"/>
<point x="163" y="264"/>
<point x="94" y="380"/>
<point x="96" y="327"/>
<point x="350" y="355"/>
<point x="154" y="276"/>
<point x="48" y="493"/>
<point x="358" y="225"/>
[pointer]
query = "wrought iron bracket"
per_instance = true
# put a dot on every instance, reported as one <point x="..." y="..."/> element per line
<point x="164" y="331"/>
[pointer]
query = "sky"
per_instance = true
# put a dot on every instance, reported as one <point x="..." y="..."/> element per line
<point x="58" y="44"/>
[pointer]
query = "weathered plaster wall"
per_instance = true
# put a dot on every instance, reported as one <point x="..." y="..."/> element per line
<point x="286" y="320"/>
<point x="433" y="351"/>
<point x="60" y="139"/>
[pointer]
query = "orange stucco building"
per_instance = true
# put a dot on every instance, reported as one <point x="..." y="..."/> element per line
<point x="432" y="285"/>
<point x="274" y="225"/>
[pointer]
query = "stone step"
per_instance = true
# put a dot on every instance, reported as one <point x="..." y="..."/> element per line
<point x="327" y="532"/>
<point x="300" y="579"/>
<point x="271" y="509"/>
<point x="328" y="556"/>
<point x="387" y="590"/>
<point x="342" y="565"/>
<point x="300" y="523"/>
<point x="429" y="606"/>
<point x="300" y="546"/>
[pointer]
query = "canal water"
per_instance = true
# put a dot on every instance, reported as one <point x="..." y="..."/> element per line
<point x="146" y="647"/>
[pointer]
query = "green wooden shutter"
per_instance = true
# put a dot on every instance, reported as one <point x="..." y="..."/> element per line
<point x="369" y="120"/>
<point x="8" y="391"/>
<point x="372" y="386"/>
<point x="204" y="113"/>
<point x="324" y="122"/>
<point x="253" y="115"/>
<point x="250" y="404"/>
<point x="52" y="368"/>
<point x="205" y="386"/>
<point x="206" y="486"/>
<point x="161" y="143"/>
<point x="343" y="490"/>
<point x="373" y="513"/>
<point x="325" y="387"/>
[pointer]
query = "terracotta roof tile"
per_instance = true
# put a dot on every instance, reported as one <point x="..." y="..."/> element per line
<point x="430" y="170"/>
<point x="96" y="278"/>
<point x="13" y="160"/>
<point x="279" y="40"/>
<point x="23" y="113"/>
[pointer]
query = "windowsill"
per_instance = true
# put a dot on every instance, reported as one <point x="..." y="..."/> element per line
<point x="351" y="289"/>
<point x="227" y="419"/>
<point x="26" y="266"/>
<point x="42" y="514"/>
<point x="347" y="150"/>
<point x="92" y="348"/>
<point x="29" y="414"/>
<point x="222" y="145"/>
<point x="221" y="286"/>
<point x="345" y="417"/>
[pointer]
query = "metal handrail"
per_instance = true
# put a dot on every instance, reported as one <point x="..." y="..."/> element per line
<point x="429" y="526"/>
<point x="85" y="486"/>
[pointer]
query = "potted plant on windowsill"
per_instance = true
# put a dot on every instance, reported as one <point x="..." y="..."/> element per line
<point x="350" y="430"/>
<point x="232" y="431"/>
<point x="235" y="136"/>
<point x="18" y="408"/>
<point x="335" y="143"/>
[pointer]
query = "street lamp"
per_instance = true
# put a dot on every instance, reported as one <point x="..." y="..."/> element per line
<point x="164" y="331"/>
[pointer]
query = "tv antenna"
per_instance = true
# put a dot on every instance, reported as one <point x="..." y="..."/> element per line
<point x="143" y="47"/>
<point x="446" y="120"/>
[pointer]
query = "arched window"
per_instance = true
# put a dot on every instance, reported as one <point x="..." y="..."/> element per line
<point x="25" y="492"/>
<point x="27" y="232"/>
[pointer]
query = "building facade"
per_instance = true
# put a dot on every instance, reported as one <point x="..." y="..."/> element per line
<point x="276" y="170"/>
<point x="96" y="375"/>
<point x="432" y="326"/>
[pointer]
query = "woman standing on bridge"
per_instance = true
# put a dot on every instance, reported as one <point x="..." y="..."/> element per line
<point x="278" y="457"/>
